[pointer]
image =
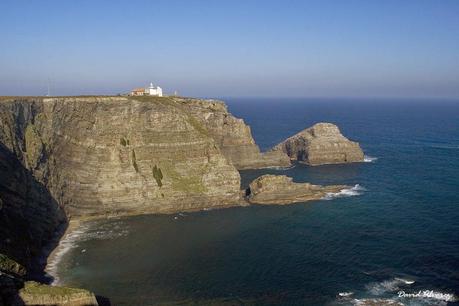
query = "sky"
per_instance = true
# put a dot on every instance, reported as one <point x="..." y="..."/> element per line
<point x="231" y="48"/>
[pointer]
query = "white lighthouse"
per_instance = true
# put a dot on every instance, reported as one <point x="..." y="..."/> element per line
<point x="154" y="90"/>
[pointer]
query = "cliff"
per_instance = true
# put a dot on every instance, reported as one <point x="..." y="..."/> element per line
<point x="100" y="156"/>
<point x="321" y="144"/>
<point x="280" y="189"/>
<point x="105" y="156"/>
<point x="232" y="135"/>
<point x="92" y="157"/>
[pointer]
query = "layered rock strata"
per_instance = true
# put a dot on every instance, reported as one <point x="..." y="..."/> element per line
<point x="105" y="156"/>
<point x="232" y="135"/>
<point x="280" y="189"/>
<point x="79" y="157"/>
<point x="102" y="156"/>
<point x="321" y="144"/>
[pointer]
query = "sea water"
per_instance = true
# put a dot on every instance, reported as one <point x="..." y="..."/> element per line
<point x="393" y="236"/>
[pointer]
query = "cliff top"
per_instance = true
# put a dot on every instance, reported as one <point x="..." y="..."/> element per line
<point x="92" y="98"/>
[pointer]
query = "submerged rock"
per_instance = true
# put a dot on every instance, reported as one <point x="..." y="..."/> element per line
<point x="280" y="189"/>
<point x="321" y="144"/>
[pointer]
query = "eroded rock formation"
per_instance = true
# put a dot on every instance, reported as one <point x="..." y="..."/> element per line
<point x="321" y="144"/>
<point x="280" y="189"/>
<point x="232" y="135"/>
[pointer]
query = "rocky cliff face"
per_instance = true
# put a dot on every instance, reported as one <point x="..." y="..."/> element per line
<point x="232" y="135"/>
<point x="280" y="189"/>
<point x="119" y="155"/>
<point x="100" y="156"/>
<point x="321" y="144"/>
<point x="105" y="156"/>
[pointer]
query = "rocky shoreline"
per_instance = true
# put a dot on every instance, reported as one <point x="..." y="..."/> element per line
<point x="76" y="158"/>
<point x="280" y="190"/>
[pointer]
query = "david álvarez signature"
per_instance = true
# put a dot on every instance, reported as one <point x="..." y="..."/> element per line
<point x="447" y="297"/>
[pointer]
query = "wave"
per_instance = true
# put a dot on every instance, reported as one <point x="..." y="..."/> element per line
<point x="390" y="285"/>
<point x="105" y="231"/>
<point x="345" y="294"/>
<point x="67" y="243"/>
<point x="79" y="233"/>
<point x="369" y="159"/>
<point x="349" y="192"/>
<point x="281" y="168"/>
<point x="379" y="302"/>
<point x="406" y="281"/>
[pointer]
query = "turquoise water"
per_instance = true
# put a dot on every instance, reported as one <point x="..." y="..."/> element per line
<point x="402" y="225"/>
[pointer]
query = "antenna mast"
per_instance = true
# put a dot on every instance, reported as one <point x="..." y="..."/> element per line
<point x="48" y="89"/>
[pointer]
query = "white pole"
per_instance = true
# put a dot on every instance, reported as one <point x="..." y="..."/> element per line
<point x="48" y="89"/>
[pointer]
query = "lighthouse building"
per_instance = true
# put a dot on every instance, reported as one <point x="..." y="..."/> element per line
<point x="148" y="91"/>
<point x="154" y="90"/>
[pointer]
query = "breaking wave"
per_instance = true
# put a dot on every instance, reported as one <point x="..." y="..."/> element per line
<point x="82" y="232"/>
<point x="349" y="192"/>
<point x="369" y="159"/>
<point x="67" y="243"/>
<point x="345" y="294"/>
<point x="281" y="168"/>
<point x="387" y="285"/>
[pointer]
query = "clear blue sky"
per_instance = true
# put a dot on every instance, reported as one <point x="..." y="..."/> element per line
<point x="232" y="48"/>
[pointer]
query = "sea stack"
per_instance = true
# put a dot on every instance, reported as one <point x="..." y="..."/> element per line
<point x="321" y="144"/>
<point x="280" y="189"/>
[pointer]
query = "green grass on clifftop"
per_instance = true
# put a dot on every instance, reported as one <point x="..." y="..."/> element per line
<point x="32" y="287"/>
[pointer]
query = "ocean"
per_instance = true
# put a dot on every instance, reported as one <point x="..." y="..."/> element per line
<point x="394" y="237"/>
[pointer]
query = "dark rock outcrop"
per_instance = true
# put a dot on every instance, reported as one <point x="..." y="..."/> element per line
<point x="280" y="189"/>
<point x="16" y="291"/>
<point x="321" y="144"/>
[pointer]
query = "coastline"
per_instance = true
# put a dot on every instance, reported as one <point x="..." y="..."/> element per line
<point x="75" y="228"/>
<point x="66" y="242"/>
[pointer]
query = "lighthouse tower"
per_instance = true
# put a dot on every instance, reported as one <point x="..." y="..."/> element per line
<point x="154" y="90"/>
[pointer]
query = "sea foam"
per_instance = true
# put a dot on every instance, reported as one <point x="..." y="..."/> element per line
<point x="82" y="232"/>
<point x="348" y="192"/>
<point x="67" y="243"/>
<point x="369" y="159"/>
<point x="281" y="168"/>
<point x="345" y="294"/>
<point x="390" y="285"/>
